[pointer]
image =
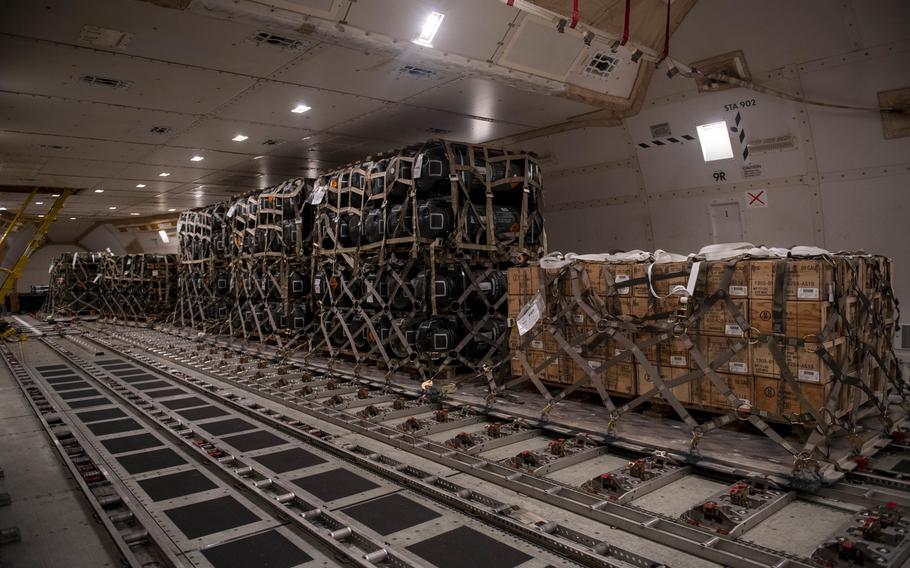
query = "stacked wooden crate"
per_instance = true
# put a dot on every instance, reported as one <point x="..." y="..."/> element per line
<point x="829" y="318"/>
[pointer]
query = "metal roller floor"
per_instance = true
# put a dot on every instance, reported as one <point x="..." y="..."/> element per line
<point x="222" y="446"/>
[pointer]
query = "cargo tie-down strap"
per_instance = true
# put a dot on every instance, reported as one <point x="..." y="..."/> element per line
<point x="565" y="297"/>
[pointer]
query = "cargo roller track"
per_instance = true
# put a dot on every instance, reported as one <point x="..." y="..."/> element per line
<point x="197" y="367"/>
<point x="345" y="539"/>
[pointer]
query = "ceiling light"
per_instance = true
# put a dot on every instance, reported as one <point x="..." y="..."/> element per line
<point x="40" y="216"/>
<point x="239" y="138"/>
<point x="39" y="203"/>
<point x="99" y="191"/>
<point x="429" y="29"/>
<point x="134" y="214"/>
<point x="72" y="218"/>
<point x="112" y="207"/>
<point x="300" y="108"/>
<point x="306" y="137"/>
<point x="163" y="234"/>
<point x="715" y="141"/>
<point x="55" y="195"/>
<point x="171" y="210"/>
<point x="140" y="185"/>
<point x="196" y="159"/>
<point x="259" y="157"/>
<point x="164" y="174"/>
<point x="2" y="208"/>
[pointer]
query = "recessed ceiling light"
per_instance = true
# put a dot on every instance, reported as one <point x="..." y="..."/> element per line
<point x="55" y="195"/>
<point x="164" y="174"/>
<point x="239" y="138"/>
<point x="112" y="207"/>
<point x="163" y="234"/>
<point x="40" y="215"/>
<point x="140" y="185"/>
<point x="306" y="137"/>
<point x="72" y="218"/>
<point x="715" y="141"/>
<point x="429" y="29"/>
<point x="2" y="208"/>
<point x="196" y="159"/>
<point x="171" y="210"/>
<point x="99" y="191"/>
<point x="300" y="108"/>
<point x="134" y="214"/>
<point x="259" y="157"/>
<point x="39" y="203"/>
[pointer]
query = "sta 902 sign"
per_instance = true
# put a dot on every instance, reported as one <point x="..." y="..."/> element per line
<point x="741" y="104"/>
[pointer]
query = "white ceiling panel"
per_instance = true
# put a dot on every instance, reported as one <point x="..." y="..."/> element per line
<point x="182" y="157"/>
<point x="50" y="145"/>
<point x="173" y="35"/>
<point x="378" y="75"/>
<point x="59" y="71"/>
<point x="217" y="134"/>
<point x="489" y="99"/>
<point x="272" y="103"/>
<point x="81" y="167"/>
<point x="177" y="174"/>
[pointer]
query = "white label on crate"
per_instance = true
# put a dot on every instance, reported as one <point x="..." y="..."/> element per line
<point x="738" y="367"/>
<point x="577" y="348"/>
<point x="579" y="318"/>
<point x="318" y="194"/>
<point x="594" y="364"/>
<point x="807" y="293"/>
<point x="418" y="166"/>
<point x="678" y="360"/>
<point x="808" y="376"/>
<point x="317" y="286"/>
<point x="733" y="329"/>
<point x="530" y="314"/>
<point x="537" y="344"/>
<point x="231" y="211"/>
<point x="154" y="273"/>
<point x="739" y="290"/>
<point x="484" y="286"/>
<point x="623" y="278"/>
<point x="618" y="351"/>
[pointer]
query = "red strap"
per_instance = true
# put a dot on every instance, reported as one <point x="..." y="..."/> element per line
<point x="667" y="36"/>
<point x="625" y="30"/>
<point x="574" y="15"/>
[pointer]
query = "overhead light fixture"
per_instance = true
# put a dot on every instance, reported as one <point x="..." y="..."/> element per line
<point x="300" y="108"/>
<point x="171" y="210"/>
<point x="72" y="218"/>
<point x="164" y="174"/>
<point x="55" y="195"/>
<point x="41" y="216"/>
<point x="134" y="214"/>
<point x="112" y="207"/>
<point x="715" y="141"/>
<point x="196" y="159"/>
<point x="306" y="137"/>
<point x="140" y="185"/>
<point x="39" y="203"/>
<point x="429" y="29"/>
<point x="239" y="138"/>
<point x="164" y="238"/>
<point x="258" y="157"/>
<point x="99" y="191"/>
<point x="2" y="208"/>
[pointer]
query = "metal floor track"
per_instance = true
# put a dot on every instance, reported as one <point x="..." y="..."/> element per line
<point x="219" y="454"/>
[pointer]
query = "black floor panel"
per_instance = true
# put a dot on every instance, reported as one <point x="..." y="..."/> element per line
<point x="78" y="394"/>
<point x="466" y="548"/>
<point x="202" y="413"/>
<point x="152" y="385"/>
<point x="390" y="514"/>
<point x="64" y="379"/>
<point x="165" y="392"/>
<point x="132" y="443"/>
<point x="114" y="426"/>
<point x="254" y="441"/>
<point x="142" y="378"/>
<point x="207" y="517"/>
<point x="130" y="372"/>
<point x="43" y="368"/>
<point x="266" y="550"/>
<point x="183" y="402"/>
<point x="289" y="460"/>
<point x="96" y="415"/>
<point x="60" y="387"/>
<point x="104" y="362"/>
<point x="87" y="403"/>
<point x="176" y="485"/>
<point x="228" y="426"/>
<point x="334" y="484"/>
<point x="57" y="373"/>
<point x="902" y="466"/>
<point x="150" y="461"/>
